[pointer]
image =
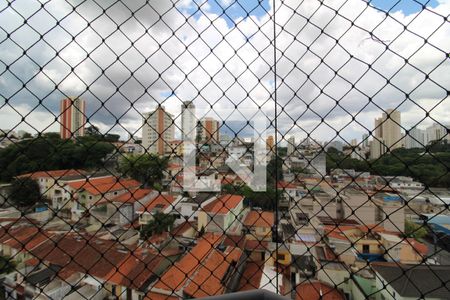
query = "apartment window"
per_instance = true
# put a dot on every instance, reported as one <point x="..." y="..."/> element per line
<point x="366" y="248"/>
<point x="281" y="257"/>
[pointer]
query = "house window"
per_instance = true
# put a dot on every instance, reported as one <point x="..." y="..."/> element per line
<point x="280" y="256"/>
<point x="366" y="249"/>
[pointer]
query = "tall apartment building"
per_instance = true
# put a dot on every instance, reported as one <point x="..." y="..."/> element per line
<point x="415" y="138"/>
<point x="270" y="143"/>
<point x="188" y="121"/>
<point x="208" y="130"/>
<point x="158" y="130"/>
<point x="436" y="132"/>
<point x="291" y="146"/>
<point x="387" y="134"/>
<point x="72" y="117"/>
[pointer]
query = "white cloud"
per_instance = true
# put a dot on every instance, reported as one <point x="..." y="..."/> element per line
<point x="206" y="59"/>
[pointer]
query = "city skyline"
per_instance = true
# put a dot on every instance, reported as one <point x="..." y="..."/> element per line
<point x="183" y="149"/>
<point x="110" y="98"/>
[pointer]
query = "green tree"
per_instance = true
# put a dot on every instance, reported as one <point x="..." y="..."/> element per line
<point x="24" y="192"/>
<point x="265" y="200"/>
<point x="413" y="230"/>
<point x="274" y="170"/>
<point x="429" y="165"/>
<point x="27" y="135"/>
<point x="7" y="265"/>
<point x="160" y="223"/>
<point x="50" y="152"/>
<point x="93" y="131"/>
<point x="147" y="168"/>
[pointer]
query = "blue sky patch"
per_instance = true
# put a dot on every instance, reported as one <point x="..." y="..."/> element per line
<point x="407" y="6"/>
<point x="231" y="10"/>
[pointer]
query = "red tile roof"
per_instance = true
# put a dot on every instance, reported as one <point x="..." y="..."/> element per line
<point x="286" y="185"/>
<point x="23" y="238"/>
<point x="135" y="270"/>
<point x="79" y="184"/>
<point x="98" y="186"/>
<point x="223" y="204"/>
<point x="255" y="245"/>
<point x="162" y="201"/>
<point x="82" y="253"/>
<point x="56" y="174"/>
<point x="175" y="278"/>
<point x="208" y="280"/>
<point x="182" y="228"/>
<point x="420" y="248"/>
<point x="251" y="277"/>
<point x="259" y="219"/>
<point x="316" y="290"/>
<point x="32" y="262"/>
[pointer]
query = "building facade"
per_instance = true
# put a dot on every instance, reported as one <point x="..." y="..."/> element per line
<point x="208" y="130"/>
<point x="157" y="131"/>
<point x="72" y="117"/>
<point x="436" y="132"/>
<point x="387" y="134"/>
<point x="415" y="138"/>
<point x="188" y="121"/>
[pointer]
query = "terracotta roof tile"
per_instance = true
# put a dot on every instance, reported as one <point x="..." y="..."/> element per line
<point x="259" y="219"/>
<point x="251" y="277"/>
<point x="84" y="254"/>
<point x="97" y="186"/>
<point x="176" y="276"/>
<point x="162" y="201"/>
<point x="135" y="270"/>
<point x="286" y="185"/>
<point x="208" y="280"/>
<point x="223" y="204"/>
<point x="316" y="290"/>
<point x="57" y="174"/>
<point x="420" y="248"/>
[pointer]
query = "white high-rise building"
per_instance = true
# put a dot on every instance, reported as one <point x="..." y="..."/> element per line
<point x="388" y="135"/>
<point x="291" y="146"/>
<point x="365" y="140"/>
<point x="415" y="138"/>
<point x="436" y="132"/>
<point x="157" y="131"/>
<point x="188" y="121"/>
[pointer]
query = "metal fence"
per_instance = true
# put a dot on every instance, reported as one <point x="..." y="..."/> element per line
<point x="194" y="148"/>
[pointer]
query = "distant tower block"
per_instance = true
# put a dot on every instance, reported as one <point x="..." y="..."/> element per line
<point x="72" y="117"/>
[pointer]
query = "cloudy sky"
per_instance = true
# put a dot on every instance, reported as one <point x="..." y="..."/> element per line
<point x="339" y="63"/>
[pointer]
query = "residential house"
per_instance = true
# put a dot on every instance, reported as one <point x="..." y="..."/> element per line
<point x="317" y="290"/>
<point x="160" y="203"/>
<point x="186" y="207"/>
<point x="48" y="180"/>
<point x="90" y="192"/>
<point x="67" y="187"/>
<point x="226" y="265"/>
<point x="258" y="225"/>
<point x="224" y="214"/>
<point x="122" y="209"/>
<point x="173" y="282"/>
